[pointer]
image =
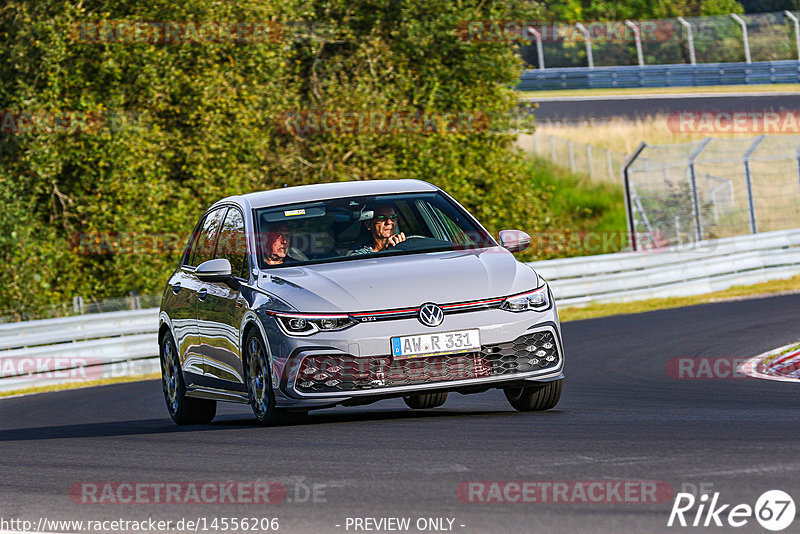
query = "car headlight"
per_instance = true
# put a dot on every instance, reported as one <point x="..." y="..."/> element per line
<point x="296" y="324"/>
<point x="538" y="299"/>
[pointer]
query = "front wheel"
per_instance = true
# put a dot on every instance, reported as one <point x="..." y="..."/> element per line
<point x="535" y="398"/>
<point x="183" y="410"/>
<point x="259" y="384"/>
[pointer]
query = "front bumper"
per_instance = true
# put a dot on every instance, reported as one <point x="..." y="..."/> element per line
<point x="356" y="363"/>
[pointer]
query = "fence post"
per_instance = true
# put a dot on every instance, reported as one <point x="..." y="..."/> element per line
<point x="749" y="183"/>
<point x="77" y="305"/>
<point x="553" y="149"/>
<point x="539" y="51"/>
<point x="743" y="24"/>
<point x="571" y="156"/>
<point x="796" y="30"/>
<point x="589" y="160"/>
<point x="638" y="38"/>
<point x="536" y="143"/>
<point x="627" y="187"/>
<point x="586" y="36"/>
<point x="798" y="163"/>
<point x="693" y="184"/>
<point x="690" y="38"/>
<point x="610" y="168"/>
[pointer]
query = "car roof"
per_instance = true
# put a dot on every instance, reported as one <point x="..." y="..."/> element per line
<point x="316" y="192"/>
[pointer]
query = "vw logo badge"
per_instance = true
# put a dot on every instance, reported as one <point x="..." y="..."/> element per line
<point x="431" y="315"/>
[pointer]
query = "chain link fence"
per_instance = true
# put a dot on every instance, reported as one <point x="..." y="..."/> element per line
<point x="711" y="39"/>
<point x="684" y="193"/>
<point x="596" y="162"/>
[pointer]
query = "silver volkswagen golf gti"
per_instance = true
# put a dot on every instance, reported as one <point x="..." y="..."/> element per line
<point x="348" y="293"/>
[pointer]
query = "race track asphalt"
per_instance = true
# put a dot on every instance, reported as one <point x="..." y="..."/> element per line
<point x="622" y="418"/>
<point x="572" y="110"/>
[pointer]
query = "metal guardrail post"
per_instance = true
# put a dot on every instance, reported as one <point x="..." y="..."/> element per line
<point x="791" y="17"/>
<point x="749" y="183"/>
<point x="571" y="155"/>
<point x="589" y="160"/>
<point x="539" y="51"/>
<point x="638" y="38"/>
<point x="690" y="38"/>
<point x="586" y="36"/>
<point x="743" y="24"/>
<point x="693" y="184"/>
<point x="77" y="305"/>
<point x="627" y="187"/>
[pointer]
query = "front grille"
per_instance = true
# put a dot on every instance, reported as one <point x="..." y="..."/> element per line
<point x="336" y="373"/>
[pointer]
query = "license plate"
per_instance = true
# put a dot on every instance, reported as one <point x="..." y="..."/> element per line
<point x="435" y="344"/>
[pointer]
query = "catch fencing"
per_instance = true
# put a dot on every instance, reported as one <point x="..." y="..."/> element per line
<point x="728" y="38"/>
<point x="714" y="188"/>
<point x="596" y="162"/>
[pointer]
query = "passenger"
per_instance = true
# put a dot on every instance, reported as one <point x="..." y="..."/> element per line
<point x="382" y="228"/>
<point x="276" y="246"/>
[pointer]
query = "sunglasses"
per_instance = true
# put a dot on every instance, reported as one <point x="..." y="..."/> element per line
<point x="384" y="218"/>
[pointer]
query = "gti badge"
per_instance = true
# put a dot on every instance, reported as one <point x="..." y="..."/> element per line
<point x="431" y="315"/>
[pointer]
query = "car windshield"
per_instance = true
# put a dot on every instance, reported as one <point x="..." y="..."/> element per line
<point x="359" y="227"/>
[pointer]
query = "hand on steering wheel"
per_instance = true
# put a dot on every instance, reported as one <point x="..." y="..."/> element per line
<point x="395" y="239"/>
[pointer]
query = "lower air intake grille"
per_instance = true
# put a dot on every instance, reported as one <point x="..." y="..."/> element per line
<point x="338" y="373"/>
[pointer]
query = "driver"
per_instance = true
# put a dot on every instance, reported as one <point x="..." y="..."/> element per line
<point x="276" y="244"/>
<point x="382" y="228"/>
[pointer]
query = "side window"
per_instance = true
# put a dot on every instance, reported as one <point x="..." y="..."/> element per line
<point x="207" y="239"/>
<point x="232" y="244"/>
<point x="186" y="258"/>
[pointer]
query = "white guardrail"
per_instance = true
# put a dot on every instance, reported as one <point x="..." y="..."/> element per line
<point x="105" y="345"/>
<point x="703" y="267"/>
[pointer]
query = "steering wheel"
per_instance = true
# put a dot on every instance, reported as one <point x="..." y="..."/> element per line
<point x="403" y="245"/>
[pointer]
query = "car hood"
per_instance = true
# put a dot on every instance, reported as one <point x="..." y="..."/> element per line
<point x="389" y="282"/>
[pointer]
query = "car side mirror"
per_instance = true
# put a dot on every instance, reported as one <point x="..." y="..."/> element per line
<point x="514" y="240"/>
<point x="218" y="270"/>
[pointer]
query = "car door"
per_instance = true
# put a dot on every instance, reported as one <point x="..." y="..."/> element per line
<point x="221" y="307"/>
<point x="189" y="292"/>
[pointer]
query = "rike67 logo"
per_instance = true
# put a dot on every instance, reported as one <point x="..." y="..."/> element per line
<point x="774" y="510"/>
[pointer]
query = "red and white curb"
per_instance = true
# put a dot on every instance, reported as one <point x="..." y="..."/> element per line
<point x="774" y="365"/>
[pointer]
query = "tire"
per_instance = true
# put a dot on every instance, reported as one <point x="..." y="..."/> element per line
<point x="535" y="398"/>
<point x="183" y="410"/>
<point x="258" y="375"/>
<point x="424" y="401"/>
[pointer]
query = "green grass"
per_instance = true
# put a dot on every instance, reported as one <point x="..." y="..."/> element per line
<point x="766" y="88"/>
<point x="579" y="205"/>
